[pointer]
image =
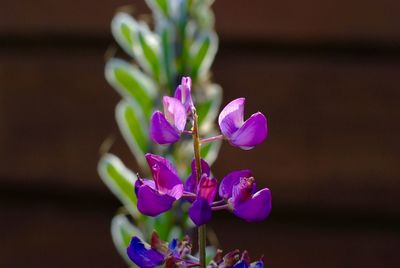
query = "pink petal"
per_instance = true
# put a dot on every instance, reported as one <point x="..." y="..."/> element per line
<point x="231" y="117"/>
<point x="165" y="176"/>
<point x="174" y="112"/>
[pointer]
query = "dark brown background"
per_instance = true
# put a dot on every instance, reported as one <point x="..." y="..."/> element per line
<point x="326" y="73"/>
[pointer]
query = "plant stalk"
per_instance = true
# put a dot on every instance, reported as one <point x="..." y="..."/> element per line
<point x="201" y="229"/>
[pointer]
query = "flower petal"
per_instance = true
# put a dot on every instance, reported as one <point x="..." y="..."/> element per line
<point x="252" y="132"/>
<point x="165" y="176"/>
<point x="231" y="117"/>
<point x="142" y="257"/>
<point x="255" y="209"/>
<point x="139" y="182"/>
<point x="200" y="212"/>
<point x="191" y="182"/>
<point x="174" y="112"/>
<point x="161" y="131"/>
<point x="233" y="178"/>
<point x="207" y="188"/>
<point x="152" y="203"/>
<point x="183" y="93"/>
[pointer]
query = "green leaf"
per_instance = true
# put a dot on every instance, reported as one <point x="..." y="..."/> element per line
<point x="138" y="41"/>
<point x="150" y="47"/>
<point x="208" y="107"/>
<point x="159" y="6"/>
<point x="122" y="232"/>
<point x="202" y="53"/>
<point x="120" y="180"/>
<point x="131" y="83"/>
<point x="134" y="129"/>
<point x="124" y="29"/>
<point x="168" y="35"/>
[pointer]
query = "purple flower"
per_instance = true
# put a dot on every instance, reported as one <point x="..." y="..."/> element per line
<point x="167" y="128"/>
<point x="235" y="260"/>
<point x="143" y="257"/>
<point x="158" y="195"/>
<point x="240" y="133"/>
<point x="239" y="189"/>
<point x="184" y="94"/>
<point x="174" y="254"/>
<point x="200" y="212"/>
<point x="191" y="182"/>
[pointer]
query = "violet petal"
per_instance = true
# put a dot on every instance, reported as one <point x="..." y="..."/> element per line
<point x="255" y="209"/>
<point x="183" y="93"/>
<point x="231" y="117"/>
<point x="161" y="131"/>
<point x="227" y="183"/>
<point x="200" y="212"/>
<point x="152" y="203"/>
<point x="251" y="133"/>
<point x="175" y="112"/>
<point x="142" y="257"/>
<point x="165" y="176"/>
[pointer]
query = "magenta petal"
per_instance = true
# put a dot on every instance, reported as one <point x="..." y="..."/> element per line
<point x="200" y="212"/>
<point x="165" y="176"/>
<point x="174" y="112"/>
<point x="161" y="131"/>
<point x="233" y="178"/>
<point x="152" y="203"/>
<point x="207" y="188"/>
<point x="251" y="133"/>
<point x="255" y="209"/>
<point x="191" y="182"/>
<point x="231" y="117"/>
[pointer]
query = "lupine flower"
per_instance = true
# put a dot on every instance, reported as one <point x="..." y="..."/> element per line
<point x="167" y="127"/>
<point x="239" y="189"/>
<point x="174" y="254"/>
<point x="235" y="260"/>
<point x="184" y="93"/>
<point x="158" y="195"/>
<point x="200" y="212"/>
<point x="240" y="133"/>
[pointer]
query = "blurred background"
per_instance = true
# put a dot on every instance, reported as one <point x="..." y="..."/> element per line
<point x="326" y="74"/>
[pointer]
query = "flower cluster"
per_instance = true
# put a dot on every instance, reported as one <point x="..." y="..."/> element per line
<point x="167" y="127"/>
<point x="178" y="254"/>
<point x="237" y="191"/>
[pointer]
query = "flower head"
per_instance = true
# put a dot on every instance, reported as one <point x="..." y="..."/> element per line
<point x="167" y="127"/>
<point x="205" y="190"/>
<point x="240" y="133"/>
<point x="158" y="195"/>
<point x="173" y="254"/>
<point x="239" y="189"/>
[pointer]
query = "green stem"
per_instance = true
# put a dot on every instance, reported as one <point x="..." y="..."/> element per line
<point x="197" y="157"/>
